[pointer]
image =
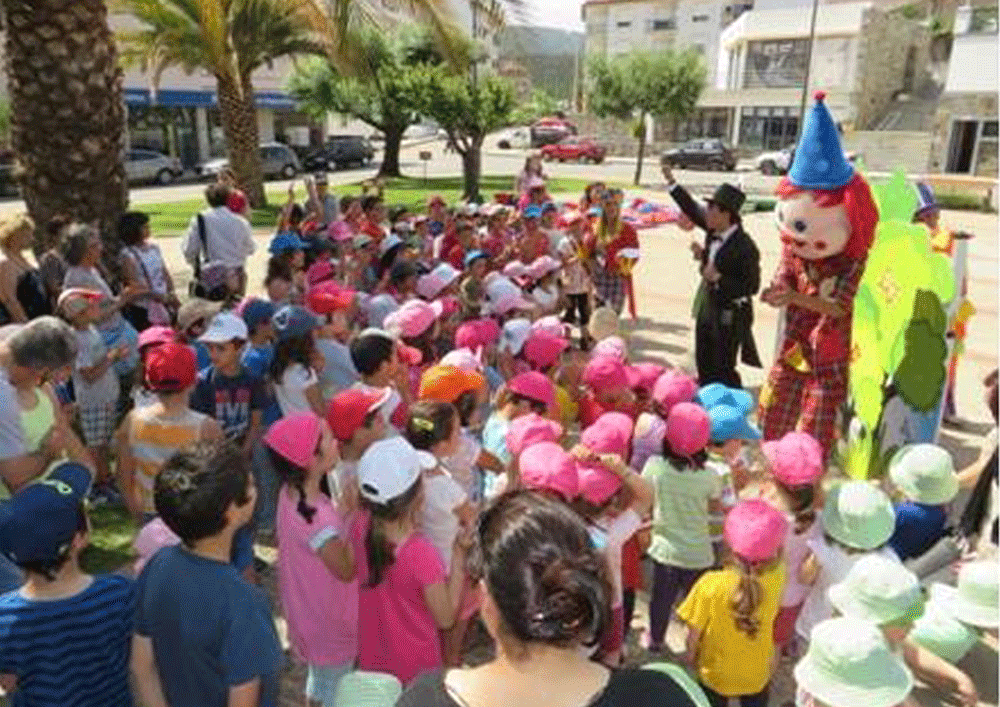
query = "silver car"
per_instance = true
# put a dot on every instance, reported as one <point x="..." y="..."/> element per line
<point x="278" y="160"/>
<point x="147" y="166"/>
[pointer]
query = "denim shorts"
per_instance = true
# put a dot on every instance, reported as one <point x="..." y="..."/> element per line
<point x="322" y="682"/>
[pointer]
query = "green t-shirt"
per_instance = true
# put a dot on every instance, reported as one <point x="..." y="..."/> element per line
<point x="680" y="515"/>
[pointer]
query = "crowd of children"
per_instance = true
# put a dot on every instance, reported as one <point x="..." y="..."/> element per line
<point x="361" y="418"/>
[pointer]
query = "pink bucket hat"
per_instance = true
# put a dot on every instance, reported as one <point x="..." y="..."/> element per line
<point x="534" y="386"/>
<point x="647" y="374"/>
<point x="295" y="437"/>
<point x="543" y="266"/>
<point x="597" y="484"/>
<point x="551" y="325"/>
<point x="688" y="429"/>
<point x="604" y="373"/>
<point x="543" y="350"/>
<point x="673" y="387"/>
<point x="154" y="336"/>
<point x="613" y="346"/>
<point x="610" y="434"/>
<point x="508" y="302"/>
<point x="413" y="318"/>
<point x="531" y="429"/>
<point x="320" y="271"/>
<point x="546" y="466"/>
<point x="796" y="459"/>
<point x="755" y="530"/>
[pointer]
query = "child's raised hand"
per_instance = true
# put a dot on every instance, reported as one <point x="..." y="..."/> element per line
<point x="583" y="453"/>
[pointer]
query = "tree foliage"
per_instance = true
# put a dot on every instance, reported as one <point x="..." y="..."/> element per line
<point x="640" y="84"/>
<point x="540" y="104"/>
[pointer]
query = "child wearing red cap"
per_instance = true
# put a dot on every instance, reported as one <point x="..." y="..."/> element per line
<point x="316" y="571"/>
<point x="356" y="420"/>
<point x="333" y="304"/>
<point x="729" y="613"/>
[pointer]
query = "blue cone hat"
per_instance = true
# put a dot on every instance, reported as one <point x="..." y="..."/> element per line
<point x="819" y="161"/>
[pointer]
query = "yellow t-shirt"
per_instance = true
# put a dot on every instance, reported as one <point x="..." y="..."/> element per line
<point x="566" y="408"/>
<point x="729" y="661"/>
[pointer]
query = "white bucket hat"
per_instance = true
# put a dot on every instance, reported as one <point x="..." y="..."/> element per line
<point x="974" y="600"/>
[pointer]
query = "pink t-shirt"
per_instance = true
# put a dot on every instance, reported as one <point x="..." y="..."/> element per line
<point x="321" y="611"/>
<point x="398" y="634"/>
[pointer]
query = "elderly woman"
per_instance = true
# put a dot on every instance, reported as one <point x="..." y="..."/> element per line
<point x="546" y="598"/>
<point x="22" y="292"/>
<point x="144" y="269"/>
<point x="612" y="249"/>
<point x="82" y="252"/>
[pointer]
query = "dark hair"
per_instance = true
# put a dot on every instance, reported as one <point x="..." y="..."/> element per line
<point x="295" y="349"/>
<point x="466" y="406"/>
<point x="380" y="551"/>
<point x="295" y="476"/>
<point x="370" y="351"/>
<point x="431" y="422"/>
<point x="130" y="225"/>
<point x="801" y="501"/>
<point x="388" y="259"/>
<point x="54" y="228"/>
<point x="507" y="397"/>
<point x="541" y="569"/>
<point x="680" y="462"/>
<point x="402" y="271"/>
<point x="370" y="202"/>
<point x="50" y="567"/>
<point x="197" y="485"/>
<point x="217" y="194"/>
<point x="345" y="202"/>
<point x="366" y="424"/>
<point x="278" y="268"/>
<point x="424" y="343"/>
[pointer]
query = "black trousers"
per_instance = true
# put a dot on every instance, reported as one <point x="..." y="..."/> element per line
<point x="717" y="700"/>
<point x="717" y="336"/>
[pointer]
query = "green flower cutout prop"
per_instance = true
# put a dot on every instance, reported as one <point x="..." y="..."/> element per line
<point x="898" y="331"/>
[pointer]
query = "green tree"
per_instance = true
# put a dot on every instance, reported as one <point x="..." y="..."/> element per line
<point x="540" y="104"/>
<point x="640" y="84"/>
<point x="467" y="110"/>
<point x="384" y="92"/>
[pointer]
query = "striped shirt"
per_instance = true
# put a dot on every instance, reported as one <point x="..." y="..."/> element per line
<point x="154" y="439"/>
<point x="70" y="652"/>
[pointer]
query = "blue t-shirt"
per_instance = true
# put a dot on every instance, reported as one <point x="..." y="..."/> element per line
<point x="201" y="354"/>
<point x="210" y="629"/>
<point x="230" y="400"/>
<point x="70" y="652"/>
<point x="257" y="362"/>
<point x="918" y="527"/>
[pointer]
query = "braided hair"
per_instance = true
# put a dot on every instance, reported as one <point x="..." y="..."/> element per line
<point x="295" y="476"/>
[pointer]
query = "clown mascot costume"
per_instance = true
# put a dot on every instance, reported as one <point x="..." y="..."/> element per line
<point x="826" y="217"/>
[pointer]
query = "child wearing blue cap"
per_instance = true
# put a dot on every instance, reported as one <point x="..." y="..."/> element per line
<point x="471" y="290"/>
<point x="65" y="635"/>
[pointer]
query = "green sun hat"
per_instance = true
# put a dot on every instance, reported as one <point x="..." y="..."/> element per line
<point x="859" y="515"/>
<point x="680" y="676"/>
<point x="364" y="689"/>
<point x="879" y="589"/>
<point x="925" y="473"/>
<point x="942" y="634"/>
<point x="849" y="664"/>
<point x="974" y="600"/>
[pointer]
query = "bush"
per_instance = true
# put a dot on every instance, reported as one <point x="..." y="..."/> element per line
<point x="964" y="202"/>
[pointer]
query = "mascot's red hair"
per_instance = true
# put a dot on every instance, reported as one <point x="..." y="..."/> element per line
<point x="826" y="218"/>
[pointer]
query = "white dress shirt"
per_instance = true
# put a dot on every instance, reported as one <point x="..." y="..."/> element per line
<point x="227" y="235"/>
<point x="718" y="242"/>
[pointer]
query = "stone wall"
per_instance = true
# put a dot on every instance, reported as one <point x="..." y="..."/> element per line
<point x="889" y="150"/>
<point x="884" y="47"/>
<point x="951" y="106"/>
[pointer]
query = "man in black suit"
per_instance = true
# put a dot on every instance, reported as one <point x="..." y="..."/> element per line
<point x="730" y="271"/>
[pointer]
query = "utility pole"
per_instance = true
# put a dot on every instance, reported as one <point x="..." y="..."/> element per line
<point x="809" y="54"/>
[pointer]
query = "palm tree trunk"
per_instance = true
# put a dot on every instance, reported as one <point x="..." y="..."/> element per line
<point x="390" y="155"/>
<point x="641" y="133"/>
<point x="239" y="125"/>
<point x="67" y="113"/>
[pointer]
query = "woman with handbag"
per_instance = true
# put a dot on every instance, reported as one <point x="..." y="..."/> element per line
<point x="143" y="268"/>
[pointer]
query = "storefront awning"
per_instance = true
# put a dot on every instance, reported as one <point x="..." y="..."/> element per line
<point x="172" y="98"/>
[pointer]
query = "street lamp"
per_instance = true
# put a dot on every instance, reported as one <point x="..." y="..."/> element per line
<point x="809" y="54"/>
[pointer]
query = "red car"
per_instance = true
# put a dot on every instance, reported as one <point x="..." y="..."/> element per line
<point x="576" y="149"/>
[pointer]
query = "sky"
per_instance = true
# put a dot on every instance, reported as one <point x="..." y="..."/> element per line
<point x="561" y="14"/>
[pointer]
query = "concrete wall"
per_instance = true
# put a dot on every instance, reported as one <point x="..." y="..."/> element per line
<point x="963" y="106"/>
<point x="973" y="64"/>
<point x="889" y="150"/>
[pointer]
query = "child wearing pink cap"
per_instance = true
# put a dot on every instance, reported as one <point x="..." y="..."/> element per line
<point x="416" y="325"/>
<point x="729" y="613"/>
<point x="686" y="490"/>
<point x="316" y="571"/>
<point x="614" y="500"/>
<point x="446" y="512"/>
<point x="527" y="431"/>
<point x="544" y="352"/>
<point x="546" y="292"/>
<point x="606" y="390"/>
<point x="547" y="467"/>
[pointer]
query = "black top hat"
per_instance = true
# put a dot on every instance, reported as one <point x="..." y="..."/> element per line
<point x="729" y="198"/>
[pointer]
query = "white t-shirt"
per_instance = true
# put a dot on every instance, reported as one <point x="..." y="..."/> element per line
<point x="834" y="564"/>
<point x="462" y="463"/>
<point x="438" y="520"/>
<point x="291" y="390"/>
<point x="91" y="349"/>
<point x="546" y="299"/>
<point x="11" y="431"/>
<point x="610" y="535"/>
<point x="574" y="275"/>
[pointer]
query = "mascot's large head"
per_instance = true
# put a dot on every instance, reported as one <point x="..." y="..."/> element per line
<point x="824" y="206"/>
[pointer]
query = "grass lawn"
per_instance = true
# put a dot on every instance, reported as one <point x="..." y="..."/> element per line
<point x="110" y="540"/>
<point x="172" y="218"/>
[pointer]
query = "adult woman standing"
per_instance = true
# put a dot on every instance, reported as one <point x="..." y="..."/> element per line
<point x="82" y="252"/>
<point x="51" y="265"/>
<point x="611" y="249"/>
<point x="546" y="598"/>
<point x="144" y="268"/>
<point x="22" y="292"/>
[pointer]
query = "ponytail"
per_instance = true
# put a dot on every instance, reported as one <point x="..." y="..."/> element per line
<point x="747" y="597"/>
<point x="802" y="503"/>
<point x="294" y="476"/>
<point x="379" y="550"/>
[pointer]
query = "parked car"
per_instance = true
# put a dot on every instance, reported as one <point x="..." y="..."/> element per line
<point x="576" y="149"/>
<point x="144" y="166"/>
<point x="703" y="154"/>
<point x="340" y="152"/>
<point x="778" y="161"/>
<point x="278" y="160"/>
<point x="515" y="139"/>
<point x="548" y="131"/>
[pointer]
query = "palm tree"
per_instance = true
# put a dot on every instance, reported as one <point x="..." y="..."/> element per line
<point x="67" y="117"/>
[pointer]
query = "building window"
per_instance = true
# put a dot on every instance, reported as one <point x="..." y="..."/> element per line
<point x="984" y="19"/>
<point x="776" y="64"/>
<point x="622" y="24"/>
<point x="699" y="18"/>
<point x="768" y="128"/>
<point x="973" y="147"/>
<point x="703" y="123"/>
<point x="662" y="25"/>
